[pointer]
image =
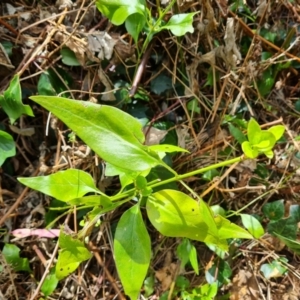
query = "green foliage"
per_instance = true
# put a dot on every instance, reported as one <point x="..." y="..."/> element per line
<point x="72" y="253"/>
<point x="274" y="269"/>
<point x="253" y="225"/>
<point x="50" y="283"/>
<point x="204" y="292"/>
<point x="7" y="146"/>
<point x="132" y="250"/>
<point x="186" y="252"/>
<point x="11" y="253"/>
<point x="64" y="186"/>
<point x="117" y="138"/>
<point x="261" y="141"/>
<point x="11" y="101"/>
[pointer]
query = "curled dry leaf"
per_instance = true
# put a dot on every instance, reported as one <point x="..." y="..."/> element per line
<point x="153" y="135"/>
<point x="108" y="94"/>
<point x="22" y="131"/>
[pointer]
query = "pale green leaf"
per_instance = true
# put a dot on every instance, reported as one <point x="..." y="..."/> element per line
<point x="7" y="146"/>
<point x="253" y="132"/>
<point x="113" y="134"/>
<point x="175" y="214"/>
<point x="132" y="251"/>
<point x="180" y="24"/>
<point x="248" y="151"/>
<point x="166" y="148"/>
<point x="253" y="225"/>
<point x="134" y="25"/>
<point x="63" y="185"/>
<point x="11" y="102"/>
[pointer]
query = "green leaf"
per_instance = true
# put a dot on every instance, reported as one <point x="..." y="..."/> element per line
<point x="132" y="251"/>
<point x="63" y="185"/>
<point x="285" y="227"/>
<point x="253" y="225"/>
<point x="237" y="134"/>
<point x="274" y="269"/>
<point x="274" y="210"/>
<point x="293" y="245"/>
<point x="111" y="133"/>
<point x="175" y="214"/>
<point x="45" y="86"/>
<point x="134" y="25"/>
<point x="228" y="230"/>
<point x="7" y="146"/>
<point x="50" y="283"/>
<point x="72" y="254"/>
<point x="180" y="24"/>
<point x="277" y="131"/>
<point x="11" y="102"/>
<point x="253" y="132"/>
<point x="186" y="252"/>
<point x="117" y="11"/>
<point x="220" y="272"/>
<point x="160" y="84"/>
<point x="248" y="151"/>
<point x="11" y="254"/>
<point x="69" y="57"/>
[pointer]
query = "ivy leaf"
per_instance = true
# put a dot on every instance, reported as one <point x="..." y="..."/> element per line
<point x="274" y="210"/>
<point x="180" y="24"/>
<point x="72" y="254"/>
<point x="132" y="251"/>
<point x="64" y="185"/>
<point x="11" y="102"/>
<point x="7" y="146"/>
<point x="110" y="132"/>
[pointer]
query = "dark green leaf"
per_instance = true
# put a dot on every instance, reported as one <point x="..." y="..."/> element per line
<point x="11" y="102"/>
<point x="7" y="146"/>
<point x="274" y="210"/>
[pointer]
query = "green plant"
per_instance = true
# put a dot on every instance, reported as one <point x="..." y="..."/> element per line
<point x="11" y="103"/>
<point x="137" y="17"/>
<point x="118" y="139"/>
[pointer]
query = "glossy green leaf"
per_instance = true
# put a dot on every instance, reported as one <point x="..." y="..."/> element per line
<point x="11" y="102"/>
<point x="274" y="210"/>
<point x="132" y="251"/>
<point x="253" y="225"/>
<point x="175" y="214"/>
<point x="180" y="24"/>
<point x="73" y="252"/>
<point x="11" y="253"/>
<point x="117" y="11"/>
<point x="50" y="283"/>
<point x="63" y="185"/>
<point x="7" y="146"/>
<point x="111" y="133"/>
